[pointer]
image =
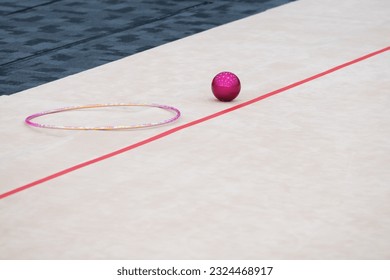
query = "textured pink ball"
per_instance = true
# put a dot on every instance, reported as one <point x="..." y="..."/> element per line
<point x="226" y="86"/>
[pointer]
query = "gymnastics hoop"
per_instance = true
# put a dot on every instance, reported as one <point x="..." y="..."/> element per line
<point x="29" y="119"/>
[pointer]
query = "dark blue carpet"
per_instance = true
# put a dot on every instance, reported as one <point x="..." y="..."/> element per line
<point x="41" y="41"/>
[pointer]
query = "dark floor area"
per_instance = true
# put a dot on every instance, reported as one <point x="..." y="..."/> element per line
<point x="41" y="41"/>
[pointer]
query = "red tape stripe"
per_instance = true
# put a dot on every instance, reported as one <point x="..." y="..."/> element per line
<point x="187" y="125"/>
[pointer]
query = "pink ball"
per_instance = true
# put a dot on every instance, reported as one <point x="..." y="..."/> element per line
<point x="226" y="86"/>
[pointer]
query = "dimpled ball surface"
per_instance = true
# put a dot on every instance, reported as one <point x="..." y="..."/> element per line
<point x="226" y="86"/>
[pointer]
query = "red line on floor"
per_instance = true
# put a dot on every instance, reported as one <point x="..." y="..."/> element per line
<point x="192" y="123"/>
